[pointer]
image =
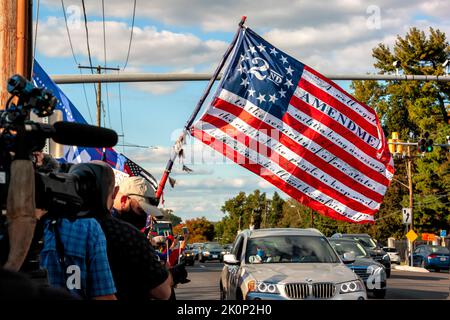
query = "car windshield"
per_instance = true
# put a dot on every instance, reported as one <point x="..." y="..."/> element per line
<point x="212" y="247"/>
<point x="390" y="250"/>
<point x="290" y="249"/>
<point x="366" y="242"/>
<point x="440" y="250"/>
<point x="342" y="247"/>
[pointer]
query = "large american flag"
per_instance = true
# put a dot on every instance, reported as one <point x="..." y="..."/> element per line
<point x="298" y="130"/>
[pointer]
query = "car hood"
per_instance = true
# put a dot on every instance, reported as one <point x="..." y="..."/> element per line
<point x="300" y="272"/>
<point x="364" y="262"/>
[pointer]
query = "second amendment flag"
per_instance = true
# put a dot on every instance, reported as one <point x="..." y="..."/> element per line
<point x="300" y="131"/>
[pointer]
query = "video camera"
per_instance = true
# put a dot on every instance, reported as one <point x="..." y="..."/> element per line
<point x="67" y="193"/>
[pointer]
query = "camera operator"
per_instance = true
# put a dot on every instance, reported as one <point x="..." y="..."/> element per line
<point x="136" y="269"/>
<point x="74" y="252"/>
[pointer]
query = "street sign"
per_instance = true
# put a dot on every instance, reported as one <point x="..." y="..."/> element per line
<point x="428" y="237"/>
<point x="406" y="215"/>
<point x="443" y="233"/>
<point x="411" y="235"/>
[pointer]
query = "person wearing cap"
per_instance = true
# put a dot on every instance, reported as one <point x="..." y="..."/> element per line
<point x="135" y="201"/>
<point x="136" y="268"/>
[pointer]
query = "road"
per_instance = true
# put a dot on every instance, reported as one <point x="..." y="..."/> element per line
<point x="205" y="277"/>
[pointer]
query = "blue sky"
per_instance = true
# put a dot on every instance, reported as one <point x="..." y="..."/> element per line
<point x="191" y="36"/>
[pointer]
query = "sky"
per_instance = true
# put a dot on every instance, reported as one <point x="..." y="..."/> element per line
<point x="192" y="36"/>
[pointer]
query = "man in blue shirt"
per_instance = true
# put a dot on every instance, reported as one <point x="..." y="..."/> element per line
<point x="87" y="272"/>
<point x="74" y="252"/>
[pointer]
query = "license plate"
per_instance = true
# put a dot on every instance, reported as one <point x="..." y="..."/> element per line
<point x="443" y="258"/>
<point x="215" y="256"/>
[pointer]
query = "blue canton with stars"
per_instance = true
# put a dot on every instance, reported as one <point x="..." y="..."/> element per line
<point x="70" y="113"/>
<point x="262" y="74"/>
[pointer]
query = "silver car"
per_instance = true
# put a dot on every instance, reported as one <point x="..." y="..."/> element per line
<point x="281" y="264"/>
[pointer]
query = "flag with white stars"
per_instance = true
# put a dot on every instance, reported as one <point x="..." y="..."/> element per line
<point x="74" y="154"/>
<point x="300" y="131"/>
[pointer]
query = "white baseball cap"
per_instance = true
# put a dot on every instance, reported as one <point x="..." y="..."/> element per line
<point x="142" y="191"/>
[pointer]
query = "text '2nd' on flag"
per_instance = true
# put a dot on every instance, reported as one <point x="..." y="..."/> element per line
<point x="298" y="130"/>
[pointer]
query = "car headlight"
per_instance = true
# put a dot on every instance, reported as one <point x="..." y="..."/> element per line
<point x="262" y="287"/>
<point x="206" y="253"/>
<point x="351" y="286"/>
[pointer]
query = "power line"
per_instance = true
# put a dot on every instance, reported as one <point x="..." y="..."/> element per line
<point x="75" y="59"/>
<point x="87" y="42"/>
<point x="87" y="35"/>
<point x="131" y="35"/>
<point x="35" y="34"/>
<point x="86" y="98"/>
<point x="104" y="56"/>
<point x="68" y="33"/>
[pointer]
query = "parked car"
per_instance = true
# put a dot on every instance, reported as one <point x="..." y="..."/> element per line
<point x="210" y="251"/>
<point x="393" y="254"/>
<point x="370" y="271"/>
<point x="431" y="257"/>
<point x="371" y="246"/>
<point x="189" y="255"/>
<point x="287" y="264"/>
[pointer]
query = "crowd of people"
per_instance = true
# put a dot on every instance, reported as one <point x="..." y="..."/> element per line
<point x="110" y="253"/>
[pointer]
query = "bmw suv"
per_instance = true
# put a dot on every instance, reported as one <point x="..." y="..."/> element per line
<point x="287" y="264"/>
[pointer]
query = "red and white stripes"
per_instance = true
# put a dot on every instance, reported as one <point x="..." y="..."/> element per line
<point x="327" y="150"/>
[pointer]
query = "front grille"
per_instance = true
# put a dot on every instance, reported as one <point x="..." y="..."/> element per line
<point x="362" y="273"/>
<point x="297" y="290"/>
<point x="302" y="290"/>
<point x="323" y="290"/>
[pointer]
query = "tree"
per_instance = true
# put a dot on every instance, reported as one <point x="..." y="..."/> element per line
<point x="200" y="229"/>
<point x="168" y="215"/>
<point x="276" y="210"/>
<point x="413" y="108"/>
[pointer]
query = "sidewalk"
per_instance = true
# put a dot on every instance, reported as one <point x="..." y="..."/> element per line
<point x="412" y="269"/>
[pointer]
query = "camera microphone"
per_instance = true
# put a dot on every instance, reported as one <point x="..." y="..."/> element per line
<point x="76" y="134"/>
<point x="83" y="135"/>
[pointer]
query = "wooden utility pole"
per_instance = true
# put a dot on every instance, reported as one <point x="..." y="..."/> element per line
<point x="15" y="58"/>
<point x="15" y="42"/>
<point x="99" y="90"/>
<point x="8" y="43"/>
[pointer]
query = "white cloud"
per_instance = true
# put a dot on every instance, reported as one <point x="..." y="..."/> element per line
<point x="150" y="48"/>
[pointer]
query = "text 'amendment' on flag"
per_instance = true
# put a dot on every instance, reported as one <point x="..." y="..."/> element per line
<point x="298" y="130"/>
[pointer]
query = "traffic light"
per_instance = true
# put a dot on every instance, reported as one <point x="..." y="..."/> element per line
<point x="425" y="144"/>
<point x="422" y="145"/>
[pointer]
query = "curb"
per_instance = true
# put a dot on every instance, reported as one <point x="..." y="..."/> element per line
<point x="411" y="269"/>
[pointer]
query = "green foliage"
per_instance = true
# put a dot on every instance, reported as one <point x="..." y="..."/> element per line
<point x="200" y="230"/>
<point x="412" y="108"/>
<point x="169" y="216"/>
<point x="245" y="210"/>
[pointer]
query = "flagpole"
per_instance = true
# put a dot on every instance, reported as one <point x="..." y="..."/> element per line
<point x="194" y="114"/>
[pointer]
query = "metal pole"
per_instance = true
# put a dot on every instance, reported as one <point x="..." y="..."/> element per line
<point x="152" y="77"/>
<point x="410" y="187"/>
<point x="174" y="154"/>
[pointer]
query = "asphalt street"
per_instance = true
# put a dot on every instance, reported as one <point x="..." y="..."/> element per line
<point x="205" y="277"/>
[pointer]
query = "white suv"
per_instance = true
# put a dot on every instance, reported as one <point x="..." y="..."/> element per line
<point x="287" y="264"/>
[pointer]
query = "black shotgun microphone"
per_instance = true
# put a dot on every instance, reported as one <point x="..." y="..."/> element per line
<point x="83" y="135"/>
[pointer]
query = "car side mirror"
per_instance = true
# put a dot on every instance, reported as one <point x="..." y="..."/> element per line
<point x="349" y="257"/>
<point x="230" y="259"/>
